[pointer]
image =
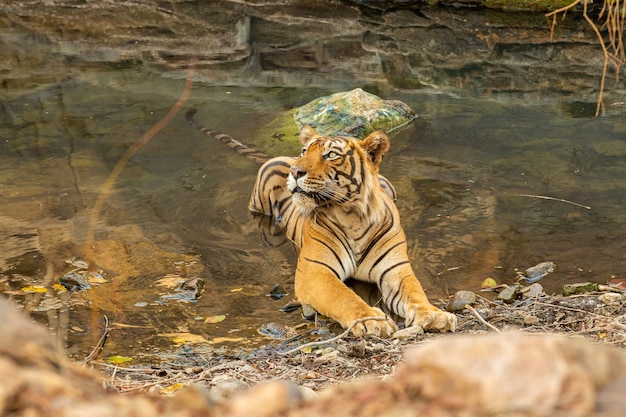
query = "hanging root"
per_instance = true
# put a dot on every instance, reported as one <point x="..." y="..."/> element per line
<point x="611" y="19"/>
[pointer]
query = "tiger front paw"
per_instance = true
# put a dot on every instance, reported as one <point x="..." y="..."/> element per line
<point x="375" y="323"/>
<point x="430" y="318"/>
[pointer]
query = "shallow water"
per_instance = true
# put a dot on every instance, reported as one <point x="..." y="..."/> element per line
<point x="467" y="174"/>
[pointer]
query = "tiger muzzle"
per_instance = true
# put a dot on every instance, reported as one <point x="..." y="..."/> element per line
<point x="297" y="172"/>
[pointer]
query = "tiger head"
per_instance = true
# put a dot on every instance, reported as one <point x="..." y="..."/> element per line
<point x="337" y="171"/>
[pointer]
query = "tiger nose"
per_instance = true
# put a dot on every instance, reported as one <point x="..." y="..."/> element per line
<point x="297" y="172"/>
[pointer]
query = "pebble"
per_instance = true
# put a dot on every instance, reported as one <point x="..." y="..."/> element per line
<point x="530" y="319"/>
<point x="75" y="281"/>
<point x="308" y="311"/>
<point x="611" y="298"/>
<point x="533" y="291"/>
<point x="459" y="300"/>
<point x="535" y="273"/>
<point x="579" y="288"/>
<point x="277" y="292"/>
<point x="357" y="349"/>
<point x="509" y="294"/>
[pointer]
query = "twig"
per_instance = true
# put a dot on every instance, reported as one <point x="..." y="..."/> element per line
<point x="400" y="126"/>
<point x="332" y="339"/>
<point x="98" y="348"/>
<point x="609" y="289"/>
<point x="544" y="197"/>
<point x="617" y="324"/>
<point x="613" y="13"/>
<point x="481" y="319"/>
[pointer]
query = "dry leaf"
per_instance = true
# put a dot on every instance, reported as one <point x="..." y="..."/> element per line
<point x="185" y="338"/>
<point x="34" y="288"/>
<point x="619" y="283"/>
<point x="170" y="281"/>
<point x="170" y="390"/>
<point x="226" y="339"/>
<point x="214" y="319"/>
<point x="119" y="359"/>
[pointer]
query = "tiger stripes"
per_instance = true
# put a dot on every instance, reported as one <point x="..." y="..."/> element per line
<point x="243" y="150"/>
<point x="340" y="213"/>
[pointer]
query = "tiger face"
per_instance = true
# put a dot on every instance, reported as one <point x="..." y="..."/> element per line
<point x="335" y="171"/>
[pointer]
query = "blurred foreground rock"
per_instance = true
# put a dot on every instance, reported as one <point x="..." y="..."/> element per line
<point x="496" y="374"/>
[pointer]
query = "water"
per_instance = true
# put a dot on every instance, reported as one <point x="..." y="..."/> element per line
<point x="467" y="174"/>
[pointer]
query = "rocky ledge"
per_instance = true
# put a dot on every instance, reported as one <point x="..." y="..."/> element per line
<point x="453" y="48"/>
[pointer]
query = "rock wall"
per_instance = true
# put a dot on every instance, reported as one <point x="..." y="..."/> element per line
<point x="302" y="42"/>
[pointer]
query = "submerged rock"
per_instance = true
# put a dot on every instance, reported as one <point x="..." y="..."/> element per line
<point x="276" y="330"/>
<point x="537" y="272"/>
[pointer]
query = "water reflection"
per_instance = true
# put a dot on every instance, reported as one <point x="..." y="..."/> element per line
<point x="178" y="209"/>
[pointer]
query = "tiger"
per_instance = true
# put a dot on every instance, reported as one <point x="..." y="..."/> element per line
<point x="340" y="214"/>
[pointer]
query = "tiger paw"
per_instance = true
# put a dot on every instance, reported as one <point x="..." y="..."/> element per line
<point x="430" y="318"/>
<point x="375" y="323"/>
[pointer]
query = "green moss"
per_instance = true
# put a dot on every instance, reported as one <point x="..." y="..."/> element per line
<point x="279" y="137"/>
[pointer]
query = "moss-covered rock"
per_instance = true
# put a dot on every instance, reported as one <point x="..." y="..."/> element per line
<point x="354" y="113"/>
<point x="350" y="113"/>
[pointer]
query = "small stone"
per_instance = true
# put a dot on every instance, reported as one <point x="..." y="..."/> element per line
<point x="579" y="288"/>
<point x="460" y="300"/>
<point x="535" y="273"/>
<point x="276" y="330"/>
<point x="357" y="349"/>
<point x="290" y="307"/>
<point x="308" y="311"/>
<point x="611" y="298"/>
<point x="277" y="292"/>
<point x="75" y="281"/>
<point x="509" y="294"/>
<point x="530" y="319"/>
<point x="533" y="291"/>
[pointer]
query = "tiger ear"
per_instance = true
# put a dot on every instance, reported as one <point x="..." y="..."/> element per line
<point x="376" y="145"/>
<point x="306" y="134"/>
